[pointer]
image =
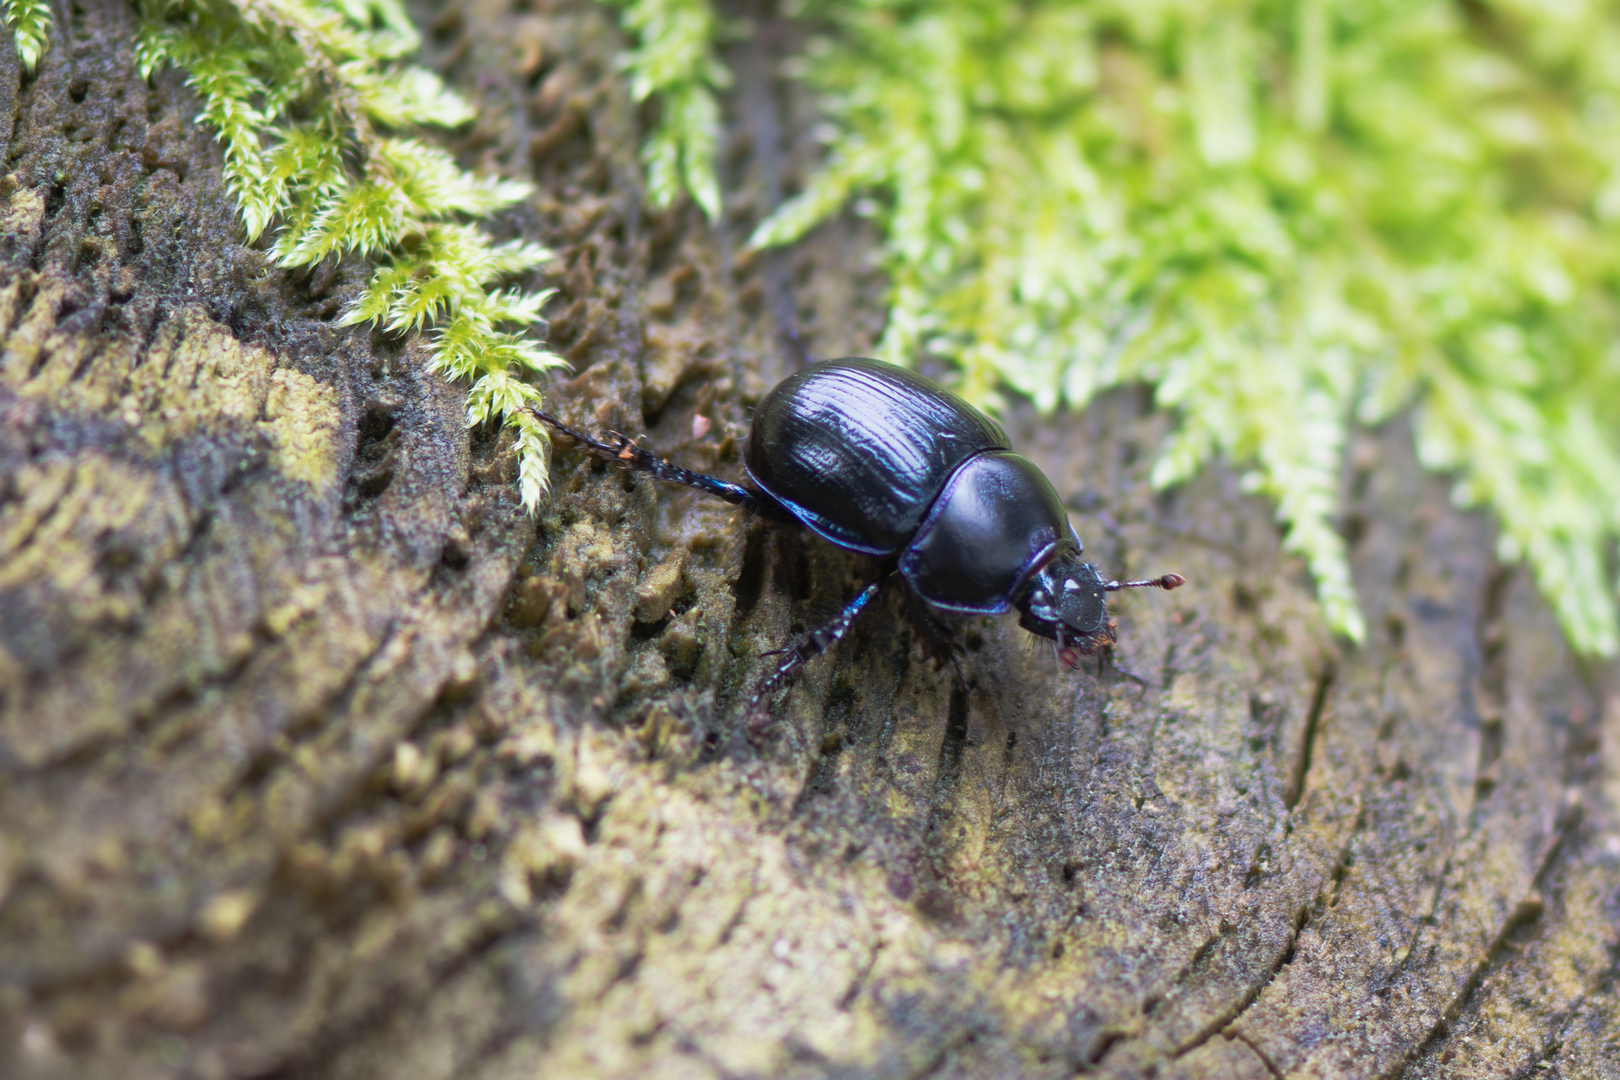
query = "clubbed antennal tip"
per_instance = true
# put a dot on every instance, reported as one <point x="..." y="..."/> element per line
<point x="1168" y="581"/>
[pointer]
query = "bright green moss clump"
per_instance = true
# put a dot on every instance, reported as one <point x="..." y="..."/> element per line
<point x="1284" y="215"/>
<point x="674" y="60"/>
<point x="30" y="22"/>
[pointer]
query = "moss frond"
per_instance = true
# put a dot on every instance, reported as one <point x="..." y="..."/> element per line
<point x="312" y="109"/>
<point x="1284" y="214"/>
<point x="398" y="99"/>
<point x="674" y="61"/>
<point x="30" y="22"/>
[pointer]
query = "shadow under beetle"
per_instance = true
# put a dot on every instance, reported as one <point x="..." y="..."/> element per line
<point x="882" y="461"/>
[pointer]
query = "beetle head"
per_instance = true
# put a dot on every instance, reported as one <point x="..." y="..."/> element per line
<point x="1065" y="601"/>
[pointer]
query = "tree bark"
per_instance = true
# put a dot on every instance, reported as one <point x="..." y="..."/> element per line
<point x="319" y="759"/>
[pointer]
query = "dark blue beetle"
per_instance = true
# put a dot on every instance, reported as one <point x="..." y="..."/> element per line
<point x="883" y="461"/>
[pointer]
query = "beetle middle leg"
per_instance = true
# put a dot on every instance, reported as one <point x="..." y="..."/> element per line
<point x="941" y="642"/>
<point x="810" y="646"/>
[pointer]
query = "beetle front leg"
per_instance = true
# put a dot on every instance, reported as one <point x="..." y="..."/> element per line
<point x="810" y="646"/>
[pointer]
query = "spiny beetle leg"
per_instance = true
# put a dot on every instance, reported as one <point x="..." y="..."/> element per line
<point x="1166" y="582"/>
<point x="1106" y="657"/>
<point x="809" y="647"/>
<point x="624" y="451"/>
<point x="941" y="643"/>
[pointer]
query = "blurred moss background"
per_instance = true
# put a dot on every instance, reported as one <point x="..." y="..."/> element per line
<point x="1287" y="216"/>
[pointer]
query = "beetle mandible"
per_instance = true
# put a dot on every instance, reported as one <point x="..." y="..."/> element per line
<point x="883" y="461"/>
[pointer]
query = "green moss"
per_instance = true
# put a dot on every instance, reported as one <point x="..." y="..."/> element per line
<point x="673" y="61"/>
<point x="30" y="22"/>
<point x="1284" y="215"/>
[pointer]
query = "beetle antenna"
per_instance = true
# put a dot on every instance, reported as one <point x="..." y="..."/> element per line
<point x="1168" y="581"/>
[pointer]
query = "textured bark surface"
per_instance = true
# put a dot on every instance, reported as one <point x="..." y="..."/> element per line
<point x="318" y="759"/>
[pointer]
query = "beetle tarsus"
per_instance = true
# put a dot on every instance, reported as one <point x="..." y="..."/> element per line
<point x="625" y="452"/>
<point x="1106" y="657"/>
<point x="809" y="647"/>
<point x="1127" y="672"/>
<point x="576" y="435"/>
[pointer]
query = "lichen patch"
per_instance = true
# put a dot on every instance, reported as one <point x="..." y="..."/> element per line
<point x="301" y="419"/>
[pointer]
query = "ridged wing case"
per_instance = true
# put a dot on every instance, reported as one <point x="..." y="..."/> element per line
<point x="858" y="450"/>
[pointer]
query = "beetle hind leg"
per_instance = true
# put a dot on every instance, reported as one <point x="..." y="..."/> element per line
<point x="623" y="450"/>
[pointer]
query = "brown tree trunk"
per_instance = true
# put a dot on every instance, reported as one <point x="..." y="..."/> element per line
<point x="319" y="759"/>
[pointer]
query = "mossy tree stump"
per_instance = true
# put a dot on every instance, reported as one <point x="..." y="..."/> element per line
<point x="318" y="758"/>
